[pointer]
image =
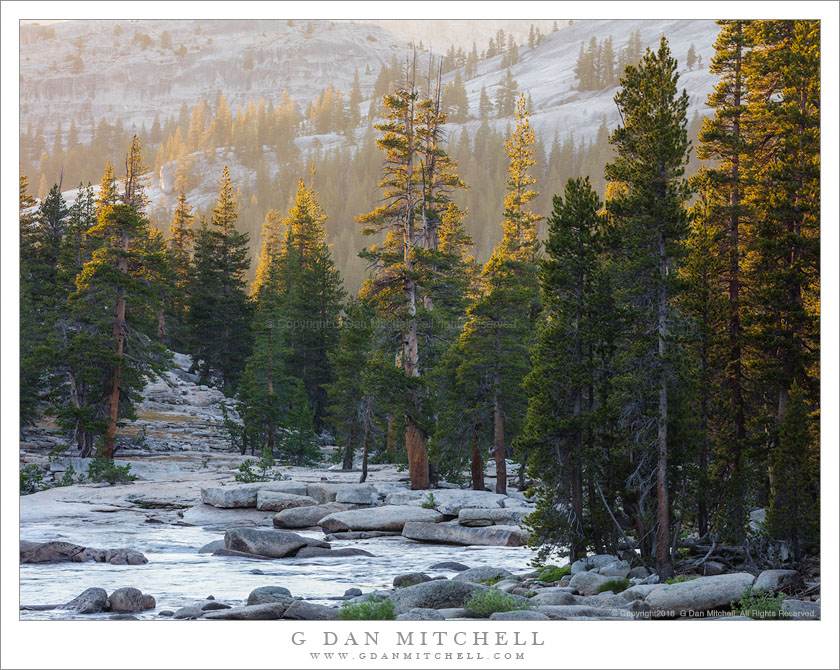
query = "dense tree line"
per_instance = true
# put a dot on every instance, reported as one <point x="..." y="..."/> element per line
<point x="653" y="365"/>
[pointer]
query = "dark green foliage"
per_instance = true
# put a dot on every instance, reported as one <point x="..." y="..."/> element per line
<point x="553" y="573"/>
<point x="31" y="479"/>
<point x="759" y="604"/>
<point x="484" y="603"/>
<point x="614" y="585"/>
<point x="372" y="609"/>
<point x="104" y="470"/>
<point x="219" y="312"/>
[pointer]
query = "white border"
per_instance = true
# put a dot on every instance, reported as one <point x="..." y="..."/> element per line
<point x="568" y="644"/>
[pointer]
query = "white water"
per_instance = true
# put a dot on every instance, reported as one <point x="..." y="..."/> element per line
<point x="176" y="575"/>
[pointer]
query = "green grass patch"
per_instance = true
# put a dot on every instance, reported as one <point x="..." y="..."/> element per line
<point x="374" y="608"/>
<point x="485" y="603"/>
<point x="679" y="579"/>
<point x="553" y="573"/>
<point x="492" y="581"/>
<point x="614" y="585"/>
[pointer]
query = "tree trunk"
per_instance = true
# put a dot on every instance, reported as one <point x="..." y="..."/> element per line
<point x="119" y="345"/>
<point x="366" y="444"/>
<point x="664" y="563"/>
<point x="418" y="461"/>
<point x="391" y="439"/>
<point x="161" y="326"/>
<point x="499" y="445"/>
<point x="477" y="466"/>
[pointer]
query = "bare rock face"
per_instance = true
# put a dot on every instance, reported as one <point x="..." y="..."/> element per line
<point x="593" y="562"/>
<point x="269" y="594"/>
<point x="447" y="501"/>
<point x="698" y="595"/>
<point x="277" y="501"/>
<point x="361" y="494"/>
<point x="130" y="599"/>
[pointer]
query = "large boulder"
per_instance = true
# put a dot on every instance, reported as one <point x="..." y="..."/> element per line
<point x="357" y="494"/>
<point x="129" y="599"/>
<point x="266" y="611"/>
<point x="89" y="601"/>
<point x="210" y="547"/>
<point x="785" y="581"/>
<point x="245" y="495"/>
<point x="485" y="516"/>
<point x="269" y="594"/>
<point x="222" y="518"/>
<point x="587" y="583"/>
<point x="698" y="595"/>
<point x="306" y="517"/>
<point x="277" y="501"/>
<point x="306" y="611"/>
<point x="377" y="518"/>
<point x="593" y="562"/>
<point x="436" y="594"/>
<point x="456" y="534"/>
<point x="447" y="501"/>
<point x="270" y="543"/>
<point x="482" y="574"/>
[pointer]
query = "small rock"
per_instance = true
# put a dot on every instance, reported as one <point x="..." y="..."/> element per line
<point x="188" y="612"/>
<point x="130" y="599"/>
<point x="317" y="552"/>
<point x="639" y="572"/>
<point x="210" y="547"/>
<point x="256" y="571"/>
<point x="712" y="568"/>
<point x="123" y="617"/>
<point x="352" y="593"/>
<point x="89" y="601"/>
<point x="213" y="605"/>
<point x="784" y="581"/>
<point x="618" y="569"/>
<point x="593" y="562"/>
<point x="264" y="612"/>
<point x="303" y="610"/>
<point x="270" y="594"/>
<point x="449" y="565"/>
<point x="410" y="579"/>
<point x="587" y="583"/>
<point x="166" y="613"/>
<point x="482" y="574"/>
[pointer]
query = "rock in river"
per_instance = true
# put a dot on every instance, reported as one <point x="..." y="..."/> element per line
<point x="130" y="599"/>
<point x="482" y="574"/>
<point x="390" y="517"/>
<point x="89" y="601"/>
<point x="270" y="543"/>
<point x="277" y="501"/>
<point x="306" y="517"/>
<point x="61" y="552"/>
<point x="455" y="534"/>
<point x="269" y="594"/>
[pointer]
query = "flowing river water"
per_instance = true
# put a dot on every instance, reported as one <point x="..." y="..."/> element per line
<point x="177" y="575"/>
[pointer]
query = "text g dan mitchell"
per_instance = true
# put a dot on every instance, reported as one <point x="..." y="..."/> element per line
<point x="422" y="639"/>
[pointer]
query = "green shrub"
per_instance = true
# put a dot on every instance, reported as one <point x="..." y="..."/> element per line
<point x="679" y="579"/>
<point x="31" y="479"/>
<point x="103" y="469"/>
<point x="484" y="603"/>
<point x="553" y="573"/>
<point x="759" y="604"/>
<point x="491" y="581"/>
<point x="374" y="608"/>
<point x="615" y="585"/>
<point x="67" y="478"/>
<point x="429" y="502"/>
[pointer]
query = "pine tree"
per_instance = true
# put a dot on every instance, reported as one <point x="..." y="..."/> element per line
<point x="781" y="318"/>
<point x="485" y="107"/>
<point x="691" y="56"/>
<point x="218" y="304"/>
<point x="652" y="147"/>
<point x="497" y="335"/>
<point x="181" y="240"/>
<point x="558" y="435"/>
<point x="723" y="140"/>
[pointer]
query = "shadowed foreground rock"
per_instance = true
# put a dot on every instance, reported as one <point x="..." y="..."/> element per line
<point x="698" y="595"/>
<point x="65" y="552"/>
<point x="130" y="599"/>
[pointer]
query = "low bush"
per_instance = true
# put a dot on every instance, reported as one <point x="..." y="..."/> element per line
<point x="553" y="573"/>
<point x="759" y="604"/>
<point x="103" y="469"/>
<point x="484" y="603"/>
<point x="679" y="579"/>
<point x="615" y="585"/>
<point x="373" y="609"/>
<point x="429" y="502"/>
<point x="31" y="479"/>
